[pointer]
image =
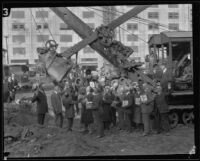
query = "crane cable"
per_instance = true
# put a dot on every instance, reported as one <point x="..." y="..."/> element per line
<point x="40" y="11"/>
<point x="38" y="29"/>
<point x="139" y="18"/>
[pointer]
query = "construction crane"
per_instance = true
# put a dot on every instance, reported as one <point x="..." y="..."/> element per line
<point x="58" y="65"/>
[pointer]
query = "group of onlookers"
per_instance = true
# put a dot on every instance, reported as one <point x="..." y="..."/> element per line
<point x="102" y="108"/>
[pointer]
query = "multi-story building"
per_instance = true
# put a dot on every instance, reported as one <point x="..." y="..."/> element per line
<point x="153" y="20"/>
<point x="29" y="28"/>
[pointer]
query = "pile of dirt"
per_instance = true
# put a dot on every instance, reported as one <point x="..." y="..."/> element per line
<point x="19" y="121"/>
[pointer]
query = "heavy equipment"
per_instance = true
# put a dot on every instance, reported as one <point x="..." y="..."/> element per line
<point x="174" y="50"/>
<point x="58" y="65"/>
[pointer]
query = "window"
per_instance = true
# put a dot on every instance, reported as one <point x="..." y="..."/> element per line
<point x="45" y="26"/>
<point x="153" y="15"/>
<point x="173" y="26"/>
<point x="14" y="26"/>
<point x="18" y="38"/>
<point x="19" y="51"/>
<point x="154" y="6"/>
<point x="173" y="6"/>
<point x="18" y="26"/>
<point x="64" y="26"/>
<point x="18" y="14"/>
<point x="132" y="26"/>
<point x="20" y="61"/>
<point x="88" y="49"/>
<point x="88" y="14"/>
<point x="42" y="26"/>
<point x="173" y="15"/>
<point x="42" y="38"/>
<point x="39" y="27"/>
<point x="91" y="25"/>
<point x="153" y="26"/>
<point x="65" y="38"/>
<point x="132" y="37"/>
<point x="89" y="59"/>
<point x="42" y="14"/>
<point x="21" y="26"/>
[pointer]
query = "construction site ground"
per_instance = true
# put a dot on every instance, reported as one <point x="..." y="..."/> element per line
<point x="32" y="140"/>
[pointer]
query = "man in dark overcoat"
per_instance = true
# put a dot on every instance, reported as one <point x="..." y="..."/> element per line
<point x="68" y="103"/>
<point x="42" y="106"/>
<point x="163" y="109"/>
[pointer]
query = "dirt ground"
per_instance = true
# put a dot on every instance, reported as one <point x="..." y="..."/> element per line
<point x="49" y="141"/>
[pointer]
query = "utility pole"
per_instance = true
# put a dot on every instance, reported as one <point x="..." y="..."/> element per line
<point x="6" y="37"/>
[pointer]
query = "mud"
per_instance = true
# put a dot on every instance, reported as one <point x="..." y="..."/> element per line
<point x="32" y="140"/>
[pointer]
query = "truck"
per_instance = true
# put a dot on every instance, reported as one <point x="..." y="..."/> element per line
<point x="174" y="50"/>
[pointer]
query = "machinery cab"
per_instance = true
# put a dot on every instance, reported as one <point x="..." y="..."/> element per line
<point x="173" y="52"/>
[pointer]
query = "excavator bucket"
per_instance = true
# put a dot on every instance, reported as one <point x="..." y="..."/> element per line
<point x="57" y="67"/>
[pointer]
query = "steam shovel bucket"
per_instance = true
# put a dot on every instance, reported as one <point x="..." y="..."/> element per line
<point x="56" y="67"/>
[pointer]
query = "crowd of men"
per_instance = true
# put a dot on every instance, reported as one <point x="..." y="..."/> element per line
<point x="102" y="107"/>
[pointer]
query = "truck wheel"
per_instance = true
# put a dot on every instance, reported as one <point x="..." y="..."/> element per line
<point x="174" y="119"/>
<point x="187" y="117"/>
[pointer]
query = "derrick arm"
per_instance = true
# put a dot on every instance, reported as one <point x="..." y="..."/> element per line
<point x="92" y="38"/>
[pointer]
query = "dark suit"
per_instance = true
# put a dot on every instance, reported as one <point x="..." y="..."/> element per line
<point x="42" y="106"/>
<point x="69" y="110"/>
<point x="57" y="108"/>
<point x="163" y="109"/>
<point x="128" y="109"/>
<point x="97" y="112"/>
<point x="107" y="117"/>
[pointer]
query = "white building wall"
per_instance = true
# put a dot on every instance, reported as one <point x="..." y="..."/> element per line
<point x="54" y="21"/>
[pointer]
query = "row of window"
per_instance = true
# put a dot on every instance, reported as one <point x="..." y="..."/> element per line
<point x="45" y="14"/>
<point x="155" y="15"/>
<point x="22" y="50"/>
<point x="63" y="26"/>
<point x="68" y="38"/>
<point x="89" y="14"/>
<point x="156" y="6"/>
<point x="130" y="26"/>
<point x="134" y="26"/>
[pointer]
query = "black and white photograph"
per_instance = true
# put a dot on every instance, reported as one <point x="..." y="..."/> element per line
<point x="98" y="80"/>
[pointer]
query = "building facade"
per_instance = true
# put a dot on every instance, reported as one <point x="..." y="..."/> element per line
<point x="29" y="28"/>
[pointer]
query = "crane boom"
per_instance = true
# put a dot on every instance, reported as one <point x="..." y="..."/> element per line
<point x="92" y="38"/>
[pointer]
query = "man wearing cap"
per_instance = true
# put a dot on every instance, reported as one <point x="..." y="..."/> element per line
<point x="42" y="106"/>
<point x="57" y="106"/>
